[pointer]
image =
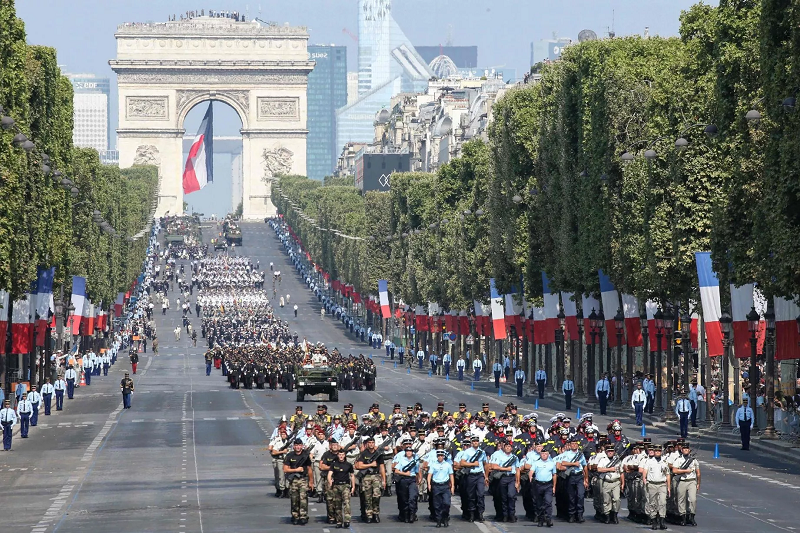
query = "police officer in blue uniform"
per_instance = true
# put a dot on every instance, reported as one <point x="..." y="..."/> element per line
<point x="543" y="480"/>
<point x="405" y="467"/>
<point x="442" y="484"/>
<point x="476" y="479"/>
<point x="572" y="463"/>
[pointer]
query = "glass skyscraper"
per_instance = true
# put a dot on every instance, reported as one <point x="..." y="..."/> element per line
<point x="90" y="109"/>
<point x="388" y="64"/>
<point x="327" y="91"/>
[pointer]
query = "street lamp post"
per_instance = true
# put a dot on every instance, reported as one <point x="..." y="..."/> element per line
<point x="657" y="367"/>
<point x="726" y="323"/>
<point x="686" y="344"/>
<point x="594" y="327"/>
<point x="669" y="329"/>
<point x="577" y="373"/>
<point x="561" y="359"/>
<point x="769" y="318"/>
<point x="619" y="324"/>
<point x="645" y="342"/>
<point x="752" y="326"/>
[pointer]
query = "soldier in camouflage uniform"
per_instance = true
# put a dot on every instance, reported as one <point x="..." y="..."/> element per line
<point x="373" y="482"/>
<point x="342" y="483"/>
<point x="297" y="467"/>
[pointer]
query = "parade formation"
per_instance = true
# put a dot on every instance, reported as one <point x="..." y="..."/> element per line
<point x="425" y="456"/>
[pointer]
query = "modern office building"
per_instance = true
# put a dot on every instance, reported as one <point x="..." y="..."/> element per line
<point x="352" y="87"/>
<point x="90" y="111"/>
<point x="548" y="49"/>
<point x="327" y="92"/>
<point x="462" y="56"/>
<point x="373" y="171"/>
<point x="388" y="64"/>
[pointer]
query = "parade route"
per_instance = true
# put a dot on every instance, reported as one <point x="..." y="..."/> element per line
<point x="191" y="454"/>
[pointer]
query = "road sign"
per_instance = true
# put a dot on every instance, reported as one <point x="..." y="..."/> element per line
<point x="470" y="339"/>
<point x="452" y="336"/>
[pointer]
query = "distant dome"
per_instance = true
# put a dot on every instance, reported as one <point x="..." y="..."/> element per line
<point x="382" y="117"/>
<point x="443" y="67"/>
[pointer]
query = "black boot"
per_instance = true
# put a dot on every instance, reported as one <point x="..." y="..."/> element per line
<point x="691" y="521"/>
<point x="581" y="520"/>
<point x="541" y="522"/>
<point x="614" y="519"/>
<point x="471" y="516"/>
<point x="661" y="524"/>
<point x="682" y="520"/>
<point x="607" y="518"/>
<point x="480" y="517"/>
<point x="654" y="523"/>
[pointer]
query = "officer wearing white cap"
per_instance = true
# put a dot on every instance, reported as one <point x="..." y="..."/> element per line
<point x="440" y="479"/>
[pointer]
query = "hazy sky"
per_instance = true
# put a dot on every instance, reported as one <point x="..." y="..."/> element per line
<point x="82" y="31"/>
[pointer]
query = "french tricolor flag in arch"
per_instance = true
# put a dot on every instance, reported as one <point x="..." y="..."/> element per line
<point x="199" y="165"/>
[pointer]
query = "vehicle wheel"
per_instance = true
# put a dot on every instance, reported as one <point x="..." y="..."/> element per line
<point x="334" y="396"/>
<point x="300" y="395"/>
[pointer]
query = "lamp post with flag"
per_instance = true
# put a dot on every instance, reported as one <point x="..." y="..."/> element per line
<point x="658" y="318"/>
<point x="769" y="318"/>
<point x="577" y="372"/>
<point x="669" y="330"/>
<point x="726" y="324"/>
<point x="686" y="347"/>
<point x="752" y="326"/>
<point x="595" y="329"/>
<point x="619" y="325"/>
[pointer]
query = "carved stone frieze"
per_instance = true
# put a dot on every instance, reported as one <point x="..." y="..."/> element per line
<point x="147" y="107"/>
<point x="278" y="108"/>
<point x="184" y="96"/>
<point x="147" y="154"/>
<point x="277" y="162"/>
<point x="210" y="77"/>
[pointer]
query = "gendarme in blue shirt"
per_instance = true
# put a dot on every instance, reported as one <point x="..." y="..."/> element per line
<point x="468" y="454"/>
<point x="543" y="470"/>
<point x="440" y="471"/>
<point x="501" y="458"/>
<point x="403" y="461"/>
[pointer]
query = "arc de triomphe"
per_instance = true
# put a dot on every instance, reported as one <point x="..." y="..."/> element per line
<point x="165" y="69"/>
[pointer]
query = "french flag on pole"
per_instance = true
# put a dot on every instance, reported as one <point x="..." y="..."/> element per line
<point x="610" y="299"/>
<point x="741" y="303"/>
<point x="786" y="335"/>
<point x="199" y="165"/>
<point x="4" y="303"/>
<point x="78" y="300"/>
<point x="498" y="315"/>
<point x="570" y="307"/>
<point x="709" y="297"/>
<point x="383" y="292"/>
<point x="22" y="325"/>
<point x="44" y="302"/>
<point x="633" y="325"/>
<point x="588" y="303"/>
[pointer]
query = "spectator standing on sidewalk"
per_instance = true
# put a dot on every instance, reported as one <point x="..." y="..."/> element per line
<point x="649" y="387"/>
<point x="568" y="388"/>
<point x="541" y="380"/>
<point x="601" y="391"/>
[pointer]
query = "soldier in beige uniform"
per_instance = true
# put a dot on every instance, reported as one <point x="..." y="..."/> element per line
<point x="634" y="489"/>
<point x="279" y="446"/>
<point x="686" y="469"/>
<point x="611" y="484"/>
<point x="656" y="478"/>
<point x="316" y="447"/>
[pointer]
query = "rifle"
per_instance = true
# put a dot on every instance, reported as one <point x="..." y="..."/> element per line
<point x="619" y="457"/>
<point x="463" y="470"/>
<point x="564" y="474"/>
<point x="297" y="475"/>
<point x="406" y="468"/>
<point x="378" y="451"/>
<point x="497" y="474"/>
<point x="352" y="443"/>
<point x="289" y="440"/>
<point x="688" y="461"/>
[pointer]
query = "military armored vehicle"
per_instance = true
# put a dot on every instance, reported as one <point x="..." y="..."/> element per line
<point x="317" y="379"/>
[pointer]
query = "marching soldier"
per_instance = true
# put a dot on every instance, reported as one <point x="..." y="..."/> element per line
<point x="573" y="463"/>
<point x="278" y="448"/>
<point x="542" y="475"/>
<point x="316" y="447"/>
<point x="7" y="420"/>
<point x="47" y="395"/>
<point x="687" y="470"/>
<point x="476" y="479"/>
<point x="24" y="411"/>
<point x="568" y="388"/>
<point x="35" y="398"/>
<point x="342" y="483"/>
<point x="373" y="481"/>
<point x="440" y="479"/>
<point x="611" y="485"/>
<point x="324" y="490"/>
<point x="505" y="483"/>
<point x="462" y="415"/>
<point x="297" y="468"/>
<point x="656" y="479"/>
<point x="634" y="487"/>
<point x="298" y="419"/>
<point x="405" y="467"/>
<point x="59" y="387"/>
<point x="348" y="415"/>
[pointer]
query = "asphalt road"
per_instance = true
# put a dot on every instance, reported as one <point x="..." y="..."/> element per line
<point x="191" y="454"/>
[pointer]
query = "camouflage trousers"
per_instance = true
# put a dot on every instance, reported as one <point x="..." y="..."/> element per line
<point x="372" y="488"/>
<point x="339" y="501"/>
<point x="298" y="492"/>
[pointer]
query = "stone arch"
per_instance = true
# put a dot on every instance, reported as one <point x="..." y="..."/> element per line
<point x="186" y="100"/>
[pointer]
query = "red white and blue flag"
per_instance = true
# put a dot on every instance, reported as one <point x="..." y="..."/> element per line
<point x="4" y="303"/>
<point x="610" y="298"/>
<point x="383" y="293"/>
<point x="551" y="310"/>
<point x="22" y="325"/>
<point x="498" y="315"/>
<point x="44" y="302"/>
<point x="741" y="304"/>
<point x="588" y="304"/>
<point x="78" y="302"/>
<point x="570" y="307"/>
<point x="709" y="297"/>
<point x="633" y="324"/>
<point x="787" y="338"/>
<point x="199" y="165"/>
